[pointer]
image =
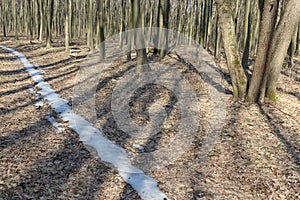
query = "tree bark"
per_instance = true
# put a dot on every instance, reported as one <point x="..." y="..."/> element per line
<point x="292" y="48"/>
<point x="282" y="37"/>
<point x="100" y="29"/>
<point x="265" y="36"/>
<point x="164" y="23"/>
<point x="237" y="74"/>
<point x="68" y="24"/>
<point x="15" y="18"/>
<point x="49" y="22"/>
<point x="90" y="35"/>
<point x="141" y="59"/>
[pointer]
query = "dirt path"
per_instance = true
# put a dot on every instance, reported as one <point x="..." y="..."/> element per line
<point x="256" y="157"/>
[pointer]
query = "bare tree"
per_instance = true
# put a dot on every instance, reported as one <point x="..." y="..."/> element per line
<point x="238" y="77"/>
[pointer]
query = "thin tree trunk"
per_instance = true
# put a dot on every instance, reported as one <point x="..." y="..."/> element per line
<point x="49" y="22"/>
<point x="90" y="35"/>
<point x="100" y="29"/>
<point x="247" y="33"/>
<point x="4" y="18"/>
<point x="15" y="18"/>
<point x="41" y="9"/>
<point x="68" y="24"/>
<point x="292" y="48"/>
<point x="247" y="47"/>
<point x="217" y="37"/>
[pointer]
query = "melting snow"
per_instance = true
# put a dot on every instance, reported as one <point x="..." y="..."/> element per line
<point x="145" y="186"/>
<point x="139" y="147"/>
<point x="58" y="126"/>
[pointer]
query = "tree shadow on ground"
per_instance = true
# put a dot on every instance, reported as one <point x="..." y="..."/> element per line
<point x="57" y="175"/>
<point x="295" y="94"/>
<point x="277" y="132"/>
<point x="207" y="78"/>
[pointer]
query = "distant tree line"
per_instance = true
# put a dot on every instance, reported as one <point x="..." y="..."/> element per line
<point x="266" y="30"/>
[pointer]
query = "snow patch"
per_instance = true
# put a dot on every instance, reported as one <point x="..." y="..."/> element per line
<point x="58" y="126"/>
<point x="139" y="147"/>
<point x="39" y="104"/>
<point x="145" y="186"/>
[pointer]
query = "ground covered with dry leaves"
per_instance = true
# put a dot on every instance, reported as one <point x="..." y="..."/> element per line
<point x="256" y="156"/>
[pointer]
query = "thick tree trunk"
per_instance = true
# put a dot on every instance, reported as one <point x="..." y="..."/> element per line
<point x="282" y="37"/>
<point x="237" y="74"/>
<point x="265" y="36"/>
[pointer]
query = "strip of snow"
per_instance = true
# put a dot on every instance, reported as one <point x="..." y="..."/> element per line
<point x="58" y="126"/>
<point x="145" y="186"/>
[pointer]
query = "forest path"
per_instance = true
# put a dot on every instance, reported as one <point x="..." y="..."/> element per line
<point x="256" y="157"/>
<point x="90" y="136"/>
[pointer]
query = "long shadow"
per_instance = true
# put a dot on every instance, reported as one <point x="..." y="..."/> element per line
<point x="71" y="71"/>
<point x="289" y="147"/>
<point x="117" y="75"/>
<point x="12" y="72"/>
<point x="28" y="48"/>
<point x="51" y="176"/>
<point x="10" y="58"/>
<point x="15" y="80"/>
<point x="57" y="64"/>
<point x="44" y="53"/>
<point x="287" y="75"/>
<point x="112" y="131"/>
<point x="10" y="110"/>
<point x="26" y="87"/>
<point x="18" y="136"/>
<point x="51" y="173"/>
<point x="206" y="78"/>
<point x="295" y="94"/>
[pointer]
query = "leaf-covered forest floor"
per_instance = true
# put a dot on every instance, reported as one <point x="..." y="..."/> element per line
<point x="256" y="157"/>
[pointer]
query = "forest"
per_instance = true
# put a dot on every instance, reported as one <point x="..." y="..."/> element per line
<point x="149" y="99"/>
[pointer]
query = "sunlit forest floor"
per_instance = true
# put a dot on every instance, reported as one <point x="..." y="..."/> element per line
<point x="256" y="157"/>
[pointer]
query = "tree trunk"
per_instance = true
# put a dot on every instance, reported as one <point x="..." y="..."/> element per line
<point x="142" y="61"/>
<point x="265" y="36"/>
<point x="247" y="33"/>
<point x="4" y="17"/>
<point x="100" y="29"/>
<point x="15" y="18"/>
<point x="49" y="22"/>
<point x="68" y="24"/>
<point x="292" y="48"/>
<point x="164" y="23"/>
<point x="90" y="37"/>
<point x="237" y="74"/>
<point x="41" y="9"/>
<point x="282" y="37"/>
